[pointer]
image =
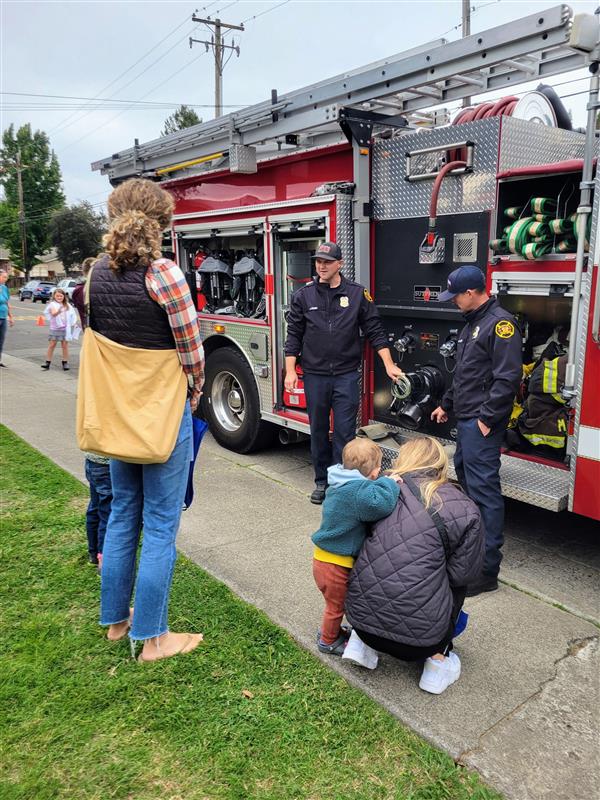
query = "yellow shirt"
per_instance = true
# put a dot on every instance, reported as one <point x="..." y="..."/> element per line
<point x="333" y="558"/>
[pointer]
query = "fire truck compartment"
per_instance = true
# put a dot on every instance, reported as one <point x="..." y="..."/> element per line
<point x="539" y="484"/>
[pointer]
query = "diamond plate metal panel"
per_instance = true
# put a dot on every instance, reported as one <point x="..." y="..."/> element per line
<point x="537" y="484"/>
<point x="396" y="198"/>
<point x="242" y="159"/>
<point x="525" y="143"/>
<point x="239" y="333"/>
<point x="344" y="233"/>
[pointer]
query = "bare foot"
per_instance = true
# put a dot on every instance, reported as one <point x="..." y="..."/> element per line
<point x="169" y="644"/>
<point x="119" y="631"/>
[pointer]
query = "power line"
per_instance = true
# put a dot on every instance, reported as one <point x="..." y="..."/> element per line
<point x="266" y="11"/>
<point x="62" y="125"/>
<point x="474" y="10"/>
<point x="169" y="103"/>
<point x="107" y="122"/>
<point x="253" y="17"/>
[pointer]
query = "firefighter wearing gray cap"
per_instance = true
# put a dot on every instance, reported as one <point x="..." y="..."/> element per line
<point x="324" y="324"/>
<point x="488" y="372"/>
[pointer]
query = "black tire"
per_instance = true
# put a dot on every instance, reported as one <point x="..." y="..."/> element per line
<point x="33" y="299"/>
<point x="230" y="403"/>
<point x="21" y="298"/>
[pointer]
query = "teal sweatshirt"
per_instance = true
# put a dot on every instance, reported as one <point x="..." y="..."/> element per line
<point x="351" y="502"/>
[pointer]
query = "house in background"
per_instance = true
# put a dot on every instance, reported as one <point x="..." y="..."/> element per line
<point x="48" y="267"/>
<point x="16" y="276"/>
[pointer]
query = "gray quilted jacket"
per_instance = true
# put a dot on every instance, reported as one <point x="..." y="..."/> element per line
<point x="401" y="585"/>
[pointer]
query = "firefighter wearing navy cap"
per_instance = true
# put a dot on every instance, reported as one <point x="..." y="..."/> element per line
<point x="487" y="376"/>
<point x="324" y="324"/>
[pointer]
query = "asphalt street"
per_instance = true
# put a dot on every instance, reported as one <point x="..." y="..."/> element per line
<point x="525" y="711"/>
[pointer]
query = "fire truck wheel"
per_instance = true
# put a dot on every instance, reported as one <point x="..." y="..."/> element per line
<point x="230" y="403"/>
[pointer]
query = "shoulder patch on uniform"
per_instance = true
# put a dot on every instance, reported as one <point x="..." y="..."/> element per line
<point x="367" y="295"/>
<point x="505" y="329"/>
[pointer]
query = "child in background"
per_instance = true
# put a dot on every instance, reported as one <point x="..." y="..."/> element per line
<point x="97" y="472"/>
<point x="57" y="313"/>
<point x="356" y="496"/>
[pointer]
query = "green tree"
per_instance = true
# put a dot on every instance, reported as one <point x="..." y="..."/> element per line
<point x="76" y="232"/>
<point x="42" y="191"/>
<point x="183" y="117"/>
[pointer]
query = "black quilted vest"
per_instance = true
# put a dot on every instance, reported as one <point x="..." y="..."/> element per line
<point x="122" y="310"/>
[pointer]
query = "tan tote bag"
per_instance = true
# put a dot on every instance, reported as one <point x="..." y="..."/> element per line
<point x="130" y="400"/>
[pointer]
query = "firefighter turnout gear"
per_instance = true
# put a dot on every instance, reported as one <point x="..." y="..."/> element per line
<point x="544" y="420"/>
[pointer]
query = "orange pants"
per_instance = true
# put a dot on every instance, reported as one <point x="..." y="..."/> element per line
<point x="332" y="580"/>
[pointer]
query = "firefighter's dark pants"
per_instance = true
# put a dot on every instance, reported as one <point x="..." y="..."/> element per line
<point x="477" y="463"/>
<point x="326" y="393"/>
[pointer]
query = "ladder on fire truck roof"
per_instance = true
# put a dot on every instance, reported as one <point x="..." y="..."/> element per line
<point x="501" y="58"/>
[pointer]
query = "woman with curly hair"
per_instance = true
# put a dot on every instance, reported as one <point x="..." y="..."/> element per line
<point x="141" y="300"/>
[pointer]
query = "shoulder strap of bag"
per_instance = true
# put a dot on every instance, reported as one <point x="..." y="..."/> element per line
<point x="86" y="295"/>
<point x="435" y="516"/>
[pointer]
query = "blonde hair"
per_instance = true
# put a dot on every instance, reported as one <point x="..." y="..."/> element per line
<point x="423" y="454"/>
<point x="86" y="264"/>
<point x="363" y="455"/>
<point x="139" y="210"/>
<point x="65" y="301"/>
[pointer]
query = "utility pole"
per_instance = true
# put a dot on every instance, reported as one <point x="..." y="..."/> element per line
<point x="218" y="47"/>
<point x="22" y="222"/>
<point x="466" y="31"/>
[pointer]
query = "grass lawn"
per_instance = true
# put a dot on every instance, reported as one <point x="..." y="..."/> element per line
<point x="248" y="715"/>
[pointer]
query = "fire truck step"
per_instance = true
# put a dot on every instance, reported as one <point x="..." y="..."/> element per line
<point x="538" y="484"/>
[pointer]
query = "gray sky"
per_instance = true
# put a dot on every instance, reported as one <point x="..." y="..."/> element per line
<point x="80" y="49"/>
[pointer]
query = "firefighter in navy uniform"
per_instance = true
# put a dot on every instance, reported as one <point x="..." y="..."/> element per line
<point x="324" y="324"/>
<point x="487" y="376"/>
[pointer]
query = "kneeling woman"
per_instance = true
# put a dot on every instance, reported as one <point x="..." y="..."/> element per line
<point x="409" y="582"/>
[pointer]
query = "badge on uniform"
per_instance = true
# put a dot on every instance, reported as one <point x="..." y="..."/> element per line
<point x="505" y="329"/>
<point x="344" y="301"/>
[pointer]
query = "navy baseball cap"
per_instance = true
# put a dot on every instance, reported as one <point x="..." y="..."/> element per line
<point x="461" y="279"/>
<point x="328" y="251"/>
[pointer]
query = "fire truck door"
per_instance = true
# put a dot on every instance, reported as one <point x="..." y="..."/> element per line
<point x="294" y="240"/>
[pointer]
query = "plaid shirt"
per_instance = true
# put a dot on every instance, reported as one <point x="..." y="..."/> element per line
<point x="167" y="285"/>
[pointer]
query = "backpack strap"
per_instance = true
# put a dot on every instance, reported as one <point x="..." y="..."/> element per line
<point x="435" y="516"/>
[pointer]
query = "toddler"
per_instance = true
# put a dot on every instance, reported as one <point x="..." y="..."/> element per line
<point x="355" y="497"/>
<point x="97" y="472"/>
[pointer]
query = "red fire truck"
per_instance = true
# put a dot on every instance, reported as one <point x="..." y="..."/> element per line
<point x="369" y="160"/>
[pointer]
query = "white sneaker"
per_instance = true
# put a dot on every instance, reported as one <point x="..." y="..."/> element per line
<point x="439" y="675"/>
<point x="360" y="653"/>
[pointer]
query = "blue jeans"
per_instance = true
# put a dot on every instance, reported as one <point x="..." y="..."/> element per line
<point x="98" y="510"/>
<point x="148" y="495"/>
<point x="326" y="393"/>
<point x="477" y="464"/>
<point x="3" y="326"/>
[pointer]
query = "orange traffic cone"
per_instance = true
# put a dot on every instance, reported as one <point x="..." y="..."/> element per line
<point x="40" y="321"/>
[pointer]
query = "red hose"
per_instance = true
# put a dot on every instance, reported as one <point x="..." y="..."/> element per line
<point x="451" y="165"/>
<point x="502" y="107"/>
<point x="481" y="109"/>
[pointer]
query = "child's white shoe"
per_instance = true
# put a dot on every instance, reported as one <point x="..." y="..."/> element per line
<point x="360" y="653"/>
<point x="438" y="675"/>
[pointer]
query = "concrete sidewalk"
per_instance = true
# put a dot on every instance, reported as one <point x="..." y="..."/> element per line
<point x="525" y="711"/>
